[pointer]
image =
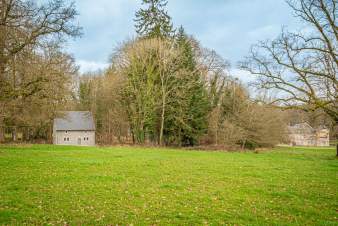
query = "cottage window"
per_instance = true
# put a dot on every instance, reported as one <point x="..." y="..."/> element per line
<point x="64" y="139"/>
<point x="67" y="138"/>
<point x="66" y="131"/>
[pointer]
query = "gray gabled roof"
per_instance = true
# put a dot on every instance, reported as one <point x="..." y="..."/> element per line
<point x="301" y="128"/>
<point x="74" y="120"/>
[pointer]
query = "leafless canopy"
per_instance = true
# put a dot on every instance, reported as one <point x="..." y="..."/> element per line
<point x="26" y="24"/>
<point x="301" y="66"/>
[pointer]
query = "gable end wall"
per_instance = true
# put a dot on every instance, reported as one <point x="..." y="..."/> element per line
<point x="75" y="138"/>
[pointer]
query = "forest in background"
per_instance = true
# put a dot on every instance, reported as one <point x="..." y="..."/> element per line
<point x="161" y="88"/>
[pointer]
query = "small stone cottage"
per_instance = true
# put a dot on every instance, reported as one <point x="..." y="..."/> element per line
<point x="74" y="128"/>
<point x="303" y="134"/>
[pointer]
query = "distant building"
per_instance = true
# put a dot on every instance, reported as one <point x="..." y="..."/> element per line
<point x="303" y="134"/>
<point x="74" y="128"/>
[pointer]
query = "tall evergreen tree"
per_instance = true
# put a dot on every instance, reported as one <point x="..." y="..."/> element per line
<point x="186" y="120"/>
<point x="183" y="43"/>
<point x="154" y="21"/>
<point x="84" y="95"/>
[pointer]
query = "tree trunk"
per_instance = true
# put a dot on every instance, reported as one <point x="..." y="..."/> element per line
<point x="162" y="121"/>
<point x="243" y="144"/>
<point x="14" y="134"/>
<point x="1" y="133"/>
<point x="3" y="59"/>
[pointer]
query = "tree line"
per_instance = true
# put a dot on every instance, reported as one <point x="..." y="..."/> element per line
<point x="36" y="75"/>
<point x="163" y="87"/>
<point x="166" y="89"/>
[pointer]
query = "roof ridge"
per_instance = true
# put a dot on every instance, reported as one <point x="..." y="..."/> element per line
<point x="75" y="120"/>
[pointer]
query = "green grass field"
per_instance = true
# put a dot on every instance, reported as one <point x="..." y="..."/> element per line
<point x="44" y="184"/>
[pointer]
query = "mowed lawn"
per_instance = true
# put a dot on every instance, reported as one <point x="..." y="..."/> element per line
<point x="45" y="184"/>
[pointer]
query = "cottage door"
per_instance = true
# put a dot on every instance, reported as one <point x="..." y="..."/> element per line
<point x="79" y="141"/>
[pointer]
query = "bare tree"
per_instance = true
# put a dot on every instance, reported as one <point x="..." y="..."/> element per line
<point x="100" y="92"/>
<point x="26" y="24"/>
<point x="136" y="63"/>
<point x="41" y="84"/>
<point x="30" y="59"/>
<point x="301" y="66"/>
<point x="167" y="69"/>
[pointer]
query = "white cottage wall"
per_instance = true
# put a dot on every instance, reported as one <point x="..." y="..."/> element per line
<point x="83" y="138"/>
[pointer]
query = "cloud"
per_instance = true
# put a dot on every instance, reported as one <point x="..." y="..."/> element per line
<point x="90" y="66"/>
<point x="244" y="76"/>
<point x="105" y="24"/>
<point x="264" y="32"/>
<point x="229" y="27"/>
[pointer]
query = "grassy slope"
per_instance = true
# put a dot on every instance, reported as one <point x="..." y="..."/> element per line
<point x="48" y="184"/>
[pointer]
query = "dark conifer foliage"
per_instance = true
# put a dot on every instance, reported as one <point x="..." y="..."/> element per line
<point x="154" y="21"/>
